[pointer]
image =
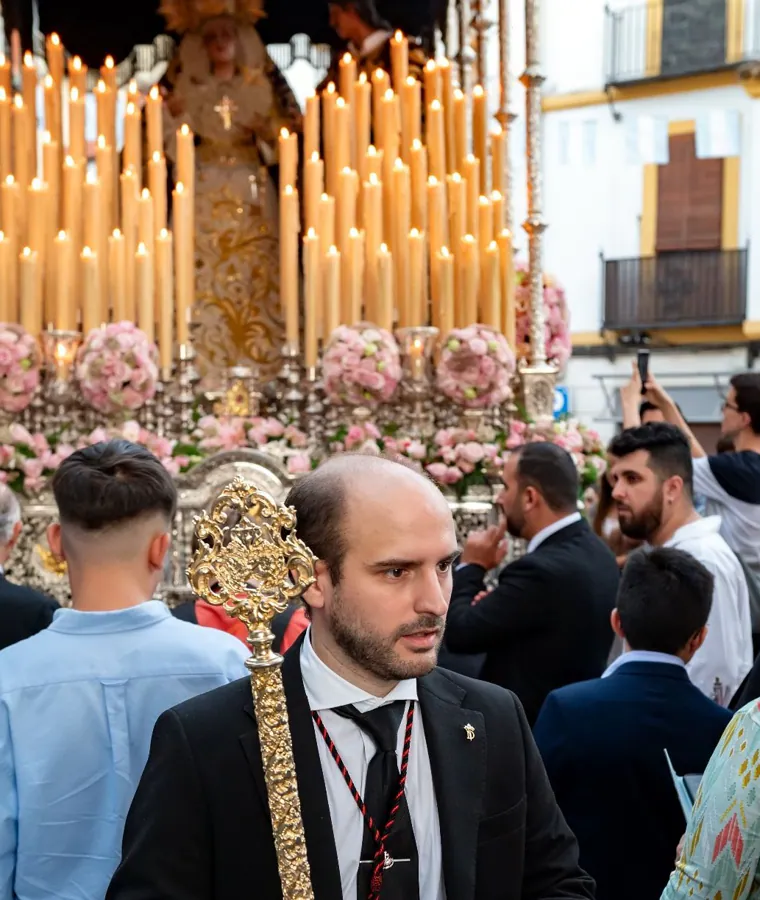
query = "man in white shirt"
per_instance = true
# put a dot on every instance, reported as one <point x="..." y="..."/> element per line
<point x="653" y="488"/>
<point x="368" y="710"/>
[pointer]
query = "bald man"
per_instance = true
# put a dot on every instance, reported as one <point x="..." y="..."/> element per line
<point x="476" y="819"/>
<point x="79" y="700"/>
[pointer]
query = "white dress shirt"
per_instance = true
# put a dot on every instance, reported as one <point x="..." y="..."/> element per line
<point x="547" y="532"/>
<point x="726" y="655"/>
<point x="326" y="690"/>
<point x="647" y="656"/>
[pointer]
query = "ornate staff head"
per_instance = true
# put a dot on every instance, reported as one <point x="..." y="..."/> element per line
<point x="250" y="562"/>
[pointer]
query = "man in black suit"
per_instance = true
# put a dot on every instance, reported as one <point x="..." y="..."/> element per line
<point x="23" y="611"/>
<point x="547" y="623"/>
<point x="604" y="741"/>
<point x="477" y="819"/>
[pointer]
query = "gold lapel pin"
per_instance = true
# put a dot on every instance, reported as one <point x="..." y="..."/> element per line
<point x="469" y="731"/>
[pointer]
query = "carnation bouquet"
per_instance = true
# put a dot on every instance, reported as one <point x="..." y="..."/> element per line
<point x="460" y="460"/>
<point x="19" y="368"/>
<point x="476" y="367"/>
<point x="287" y="443"/>
<point x="583" y="444"/>
<point x="361" y="366"/>
<point x="117" y="368"/>
<point x="557" y="328"/>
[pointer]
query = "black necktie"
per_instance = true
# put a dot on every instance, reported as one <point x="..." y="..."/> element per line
<point x="400" y="879"/>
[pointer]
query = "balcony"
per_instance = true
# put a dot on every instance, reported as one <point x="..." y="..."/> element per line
<point x="681" y="289"/>
<point x="674" y="38"/>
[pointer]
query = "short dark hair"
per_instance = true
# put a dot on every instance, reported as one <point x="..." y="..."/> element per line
<point x="110" y="483"/>
<point x="647" y="406"/>
<point x="668" y="448"/>
<point x="551" y="471"/>
<point x="664" y="599"/>
<point x="367" y="12"/>
<point x="747" y="389"/>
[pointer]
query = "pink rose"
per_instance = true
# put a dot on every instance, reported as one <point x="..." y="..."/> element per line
<point x="438" y="471"/>
<point x="21" y="435"/>
<point x="453" y="475"/>
<point x="478" y="346"/>
<point x="416" y="450"/>
<point x="274" y="428"/>
<point x="7" y="356"/>
<point x="299" y="463"/>
<point x="472" y="452"/>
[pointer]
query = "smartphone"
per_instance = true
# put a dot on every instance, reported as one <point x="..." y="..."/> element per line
<point x="643" y="364"/>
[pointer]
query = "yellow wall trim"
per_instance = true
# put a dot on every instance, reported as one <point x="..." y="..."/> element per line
<point x="648" y="232"/>
<point x="685" y="126"/>
<point x="592" y="338"/>
<point x="730" y="214"/>
<point x="734" y="30"/>
<point x="643" y="91"/>
<point x="719" y="334"/>
<point x="654" y="38"/>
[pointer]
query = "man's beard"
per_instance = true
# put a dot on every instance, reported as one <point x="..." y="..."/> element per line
<point x="376" y="653"/>
<point x="642" y="526"/>
<point x="515" y="525"/>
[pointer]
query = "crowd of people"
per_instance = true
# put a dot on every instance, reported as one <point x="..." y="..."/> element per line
<point x="130" y="760"/>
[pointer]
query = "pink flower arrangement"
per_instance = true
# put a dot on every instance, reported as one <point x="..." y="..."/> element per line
<point x="19" y="368"/>
<point x="286" y="442"/>
<point x="117" y="368"/>
<point x="476" y="366"/>
<point x="361" y="366"/>
<point x="557" y="331"/>
<point x="458" y="458"/>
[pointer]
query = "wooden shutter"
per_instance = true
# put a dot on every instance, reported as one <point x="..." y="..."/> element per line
<point x="689" y="199"/>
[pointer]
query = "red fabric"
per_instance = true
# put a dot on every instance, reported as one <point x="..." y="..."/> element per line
<point x="215" y="617"/>
<point x="296" y="626"/>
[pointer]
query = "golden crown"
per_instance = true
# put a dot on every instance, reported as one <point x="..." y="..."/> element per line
<point x="189" y="15"/>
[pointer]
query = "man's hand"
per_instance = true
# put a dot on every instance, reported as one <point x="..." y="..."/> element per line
<point x="478" y="597"/>
<point x="659" y="396"/>
<point x="486" y="548"/>
<point x="630" y="399"/>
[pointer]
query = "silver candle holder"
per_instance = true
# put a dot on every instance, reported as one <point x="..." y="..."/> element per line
<point x="417" y="345"/>
<point x="59" y="349"/>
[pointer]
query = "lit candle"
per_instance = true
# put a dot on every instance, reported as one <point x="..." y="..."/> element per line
<point x="22" y="161"/>
<point x="490" y="293"/>
<point x="145" y="223"/>
<point x="399" y="59"/>
<point x="51" y="169"/>
<point x="347" y="86"/>
<point x="385" y="288"/>
<point x="499" y="160"/>
<point x="104" y="163"/>
<point x="184" y="260"/>
<point x="457" y="193"/>
<point x="29" y="91"/>
<point x="460" y="129"/>
<point x="437" y="218"/>
<point x="435" y="141"/>
<point x="312" y="264"/>
<point x="497" y="202"/>
<point x="479" y="139"/>
<point x="447" y="94"/>
<point x="354" y="289"/>
<point x="38" y="207"/>
<point x="165" y="300"/>
<point x="91" y="213"/>
<point x="154" y="116"/>
<point x="78" y="76"/>
<point x="6" y="262"/>
<point x="389" y="112"/>
<point x="326" y="222"/>
<point x="145" y="280"/>
<point x="432" y="83"/>
<point x="468" y="261"/>
<point x="51" y="90"/>
<point x="402" y="217"/>
<point x="76" y="126"/>
<point x="5" y="135"/>
<point x="30" y="291"/>
<point x="507" y="260"/>
<point x="471" y="172"/>
<point x="381" y="84"/>
<point x="311" y="127"/>
<point x="132" y="158"/>
<point x="108" y="73"/>
<point x="288" y="149"/>
<point x="89" y="278"/>
<point x="348" y="186"/>
<point x="373" y="163"/>
<point x="5" y="74"/>
<point x="362" y="114"/>
<point x="289" y="227"/>
<point x="65" y="316"/>
<point x="186" y="160"/>
<point x="417" y="300"/>
<point x="329" y="101"/>
<point x="342" y="141"/>
<point x="129" y="230"/>
<point x="419" y="176"/>
<point x="411" y="116"/>
<point x="10" y="197"/>
<point x="117" y="265"/>
<point x="373" y="224"/>
<point x="332" y="290"/>
<point x="72" y="201"/>
<point x="445" y="298"/>
<point x="314" y="186"/>
<point x="485" y="223"/>
<point x="54" y="54"/>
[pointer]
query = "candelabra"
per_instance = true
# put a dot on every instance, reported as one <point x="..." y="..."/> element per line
<point x="290" y="396"/>
<point x="315" y="408"/>
<point x="186" y="379"/>
<point x="417" y="345"/>
<point x="55" y="404"/>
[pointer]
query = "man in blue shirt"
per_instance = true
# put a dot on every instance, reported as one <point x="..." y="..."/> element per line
<point x="79" y="700"/>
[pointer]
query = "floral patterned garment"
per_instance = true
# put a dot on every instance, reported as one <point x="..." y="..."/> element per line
<point x="721" y="851"/>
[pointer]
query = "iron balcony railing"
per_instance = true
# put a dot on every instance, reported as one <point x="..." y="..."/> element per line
<point x="672" y="38"/>
<point x="683" y="288"/>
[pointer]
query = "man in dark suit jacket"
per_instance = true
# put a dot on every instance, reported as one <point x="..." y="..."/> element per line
<point x="23" y="611"/>
<point x="547" y="623"/>
<point x="484" y="822"/>
<point x="604" y="741"/>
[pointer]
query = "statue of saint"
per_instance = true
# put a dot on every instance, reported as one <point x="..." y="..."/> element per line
<point x="225" y="87"/>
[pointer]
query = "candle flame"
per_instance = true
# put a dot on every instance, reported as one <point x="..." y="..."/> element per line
<point x="506" y="234"/>
<point x="76" y="63"/>
<point x="430" y="66"/>
<point x="74" y="95"/>
<point x="3" y="97"/>
<point x="497" y="130"/>
<point x="2" y="59"/>
<point x="2" y="236"/>
<point x="55" y="40"/>
<point x="347" y="59"/>
<point x="62" y="235"/>
<point x="398" y="166"/>
<point x="27" y="251"/>
<point x="372" y="150"/>
<point x="399" y="36"/>
<point x="458" y="95"/>
<point x="185" y="130"/>
<point x="142" y="250"/>
<point x="117" y="233"/>
<point x="373" y="179"/>
<point x="432" y="181"/>
<point x="10" y="180"/>
<point x="324" y="197"/>
<point x="145" y="194"/>
<point x="493" y="246"/>
<point x="154" y="93"/>
<point x="495" y="196"/>
<point x="288" y="191"/>
<point x="379" y="75"/>
<point x="28" y="60"/>
<point x="36" y="184"/>
<point x="478" y="91"/>
<point x="415" y="233"/>
<point x="132" y="87"/>
<point x="333" y="251"/>
<point x="456" y="178"/>
<point x="130" y="108"/>
<point x="102" y="142"/>
<point x="416" y="145"/>
<point x="109" y="62"/>
<point x="389" y="95"/>
<point x="470" y="158"/>
<point x="383" y="248"/>
<point x="411" y="80"/>
<point x="87" y="253"/>
<point x="468" y="239"/>
<point x="363" y="78"/>
<point x="340" y="103"/>
<point x="48" y="82"/>
<point x="164" y="233"/>
<point x="444" y="252"/>
<point x="330" y="89"/>
<point x="284" y="134"/>
<point x="436" y="105"/>
<point x="156" y="156"/>
<point x="101" y="86"/>
<point x="311" y="234"/>
<point x="484" y="201"/>
<point x="69" y="161"/>
<point x="444" y="63"/>
<point x="354" y="233"/>
<point x="92" y="179"/>
<point x="315" y="156"/>
<point x="180" y="188"/>
<point x="18" y="101"/>
<point x="347" y="170"/>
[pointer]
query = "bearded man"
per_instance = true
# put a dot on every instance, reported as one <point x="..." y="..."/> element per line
<point x="653" y="487"/>
<point x="477" y="819"/>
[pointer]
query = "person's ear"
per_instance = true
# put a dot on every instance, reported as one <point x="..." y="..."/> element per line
<point x="54" y="540"/>
<point x="157" y="550"/>
<point x="673" y="489"/>
<point x="530" y="498"/>
<point x="696" y="641"/>
<point x="617" y="625"/>
<point x="316" y="595"/>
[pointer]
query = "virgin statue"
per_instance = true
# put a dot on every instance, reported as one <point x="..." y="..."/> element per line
<point x="225" y="87"/>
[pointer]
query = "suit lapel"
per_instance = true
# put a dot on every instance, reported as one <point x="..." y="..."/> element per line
<point x="456" y="739"/>
<point x="315" y="811"/>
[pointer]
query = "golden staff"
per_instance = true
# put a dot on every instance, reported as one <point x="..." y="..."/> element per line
<point x="250" y="562"/>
